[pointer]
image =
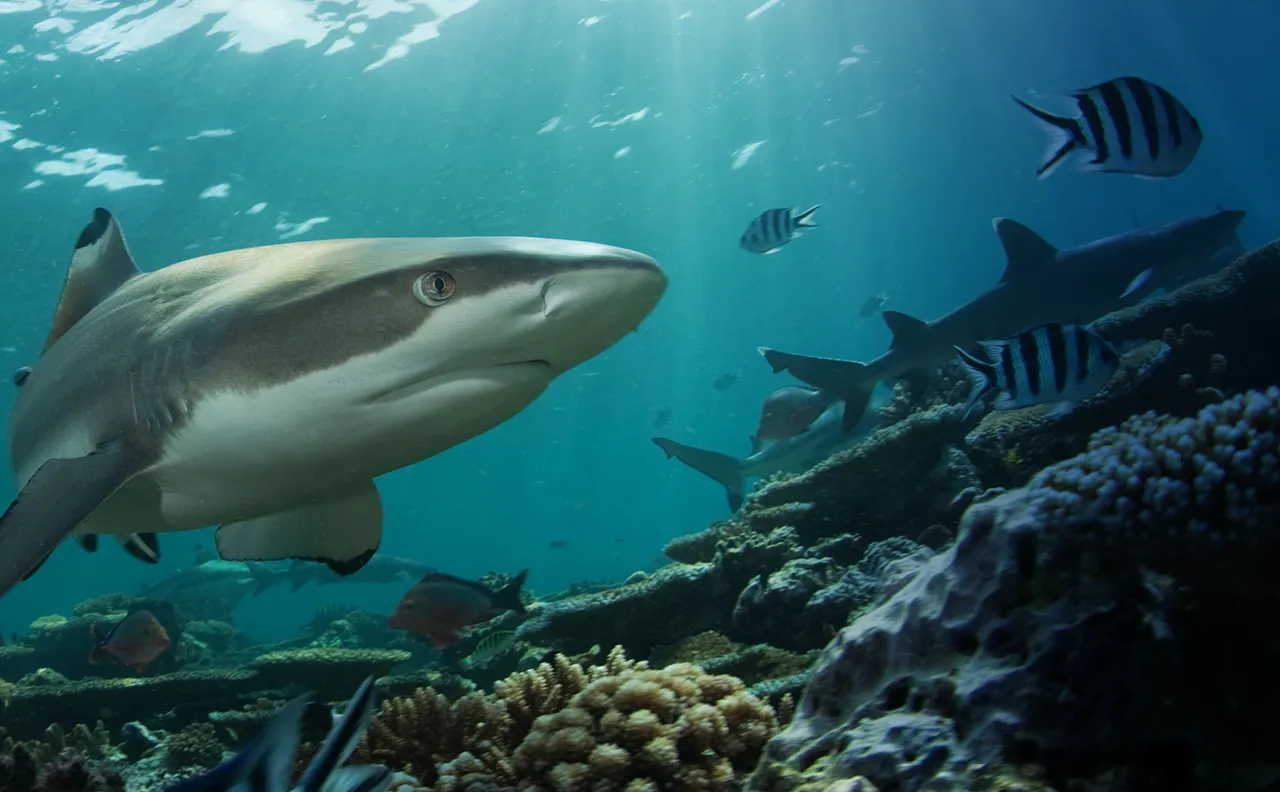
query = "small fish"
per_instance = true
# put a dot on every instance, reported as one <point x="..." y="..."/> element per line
<point x="557" y="544"/>
<point x="490" y="647"/>
<point x="790" y="410"/>
<point x="873" y="305"/>
<point x="726" y="381"/>
<point x="439" y="606"/>
<point x="1131" y="126"/>
<point x="1058" y="364"/>
<point x="135" y="641"/>
<point x="20" y="376"/>
<point x="663" y="418"/>
<point x="267" y="764"/>
<point x="775" y="228"/>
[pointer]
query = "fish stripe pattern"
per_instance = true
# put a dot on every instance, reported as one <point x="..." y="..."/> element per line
<point x="1083" y="350"/>
<point x="1171" y="115"/>
<point x="1006" y="368"/>
<point x="1096" y="131"/>
<point x="1147" y="113"/>
<point x="1030" y="358"/>
<point x="1119" y="115"/>
<point x="1058" y="356"/>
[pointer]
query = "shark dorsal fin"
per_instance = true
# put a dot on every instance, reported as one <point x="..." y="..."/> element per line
<point x="100" y="264"/>
<point x="1024" y="249"/>
<point x="902" y="326"/>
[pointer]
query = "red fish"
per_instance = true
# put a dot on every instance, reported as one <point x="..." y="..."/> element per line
<point x="135" y="641"/>
<point x="439" y="606"/>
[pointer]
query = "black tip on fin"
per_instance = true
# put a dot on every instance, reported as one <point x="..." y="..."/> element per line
<point x="20" y="376"/>
<point x="144" y="547"/>
<point x="89" y="542"/>
<point x="95" y="229"/>
<point x="353" y="565"/>
<point x="509" y="595"/>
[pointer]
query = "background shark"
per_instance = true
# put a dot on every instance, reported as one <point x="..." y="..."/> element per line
<point x="787" y="455"/>
<point x="381" y="568"/>
<point x="1040" y="284"/>
<point x="266" y="388"/>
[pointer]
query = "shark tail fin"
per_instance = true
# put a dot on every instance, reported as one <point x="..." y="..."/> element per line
<point x="982" y="378"/>
<point x="846" y="379"/>
<point x="805" y="218"/>
<point x="1065" y="136"/>
<point x="730" y="472"/>
<point x="263" y="577"/>
<point x="509" y="595"/>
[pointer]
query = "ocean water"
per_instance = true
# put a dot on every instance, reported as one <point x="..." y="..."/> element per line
<point x="660" y="125"/>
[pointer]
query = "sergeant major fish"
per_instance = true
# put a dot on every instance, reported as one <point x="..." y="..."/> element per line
<point x="775" y="228"/>
<point x="1060" y="364"/>
<point x="1131" y="126"/>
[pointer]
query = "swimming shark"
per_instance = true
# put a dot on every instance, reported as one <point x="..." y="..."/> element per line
<point x="381" y="568"/>
<point x="264" y="389"/>
<point x="1040" y="284"/>
<point x="790" y="454"/>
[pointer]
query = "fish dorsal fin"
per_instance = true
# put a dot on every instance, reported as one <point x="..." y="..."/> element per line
<point x="902" y="326"/>
<point x="100" y="264"/>
<point x="1025" y="251"/>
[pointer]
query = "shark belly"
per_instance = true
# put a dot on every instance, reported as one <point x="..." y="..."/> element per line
<point x="243" y="454"/>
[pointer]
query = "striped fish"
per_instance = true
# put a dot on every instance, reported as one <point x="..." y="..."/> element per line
<point x="1058" y="364"/>
<point x="775" y="228"/>
<point x="1131" y="126"/>
<point x="490" y="646"/>
<point x="266" y="765"/>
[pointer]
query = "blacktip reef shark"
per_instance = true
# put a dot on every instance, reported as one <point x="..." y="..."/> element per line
<point x="789" y="454"/>
<point x="1040" y="284"/>
<point x="264" y="389"/>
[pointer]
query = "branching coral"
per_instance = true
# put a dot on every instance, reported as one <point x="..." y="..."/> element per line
<point x="196" y="745"/>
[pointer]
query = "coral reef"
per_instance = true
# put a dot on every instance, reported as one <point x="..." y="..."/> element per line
<point x="196" y="745"/>
<point x="1134" y="567"/>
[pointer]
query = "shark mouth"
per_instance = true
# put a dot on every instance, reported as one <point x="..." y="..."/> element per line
<point x="514" y="373"/>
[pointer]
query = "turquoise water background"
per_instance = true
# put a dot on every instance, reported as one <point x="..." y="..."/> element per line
<point x="619" y="122"/>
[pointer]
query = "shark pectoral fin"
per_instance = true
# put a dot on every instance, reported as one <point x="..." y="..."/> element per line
<point x="903" y="326"/>
<point x="57" y="498"/>
<point x="1025" y="251"/>
<point x="101" y="263"/>
<point x="343" y="530"/>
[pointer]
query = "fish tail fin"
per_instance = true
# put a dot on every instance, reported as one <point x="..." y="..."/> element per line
<point x="340" y="743"/>
<point x="262" y="576"/>
<point x="805" y="218"/>
<point x="847" y="380"/>
<point x="729" y="471"/>
<point x="982" y="378"/>
<point x="508" y="596"/>
<point x="1065" y="136"/>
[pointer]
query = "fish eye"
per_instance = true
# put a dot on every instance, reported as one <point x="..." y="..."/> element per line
<point x="434" y="288"/>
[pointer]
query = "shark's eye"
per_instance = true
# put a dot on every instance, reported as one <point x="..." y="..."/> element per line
<point x="433" y="288"/>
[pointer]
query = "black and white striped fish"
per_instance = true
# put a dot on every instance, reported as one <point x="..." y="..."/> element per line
<point x="1131" y="126"/>
<point x="1059" y="364"/>
<point x="775" y="228"/>
<point x="266" y="765"/>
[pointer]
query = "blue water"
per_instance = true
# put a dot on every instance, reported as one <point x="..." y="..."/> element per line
<point x="893" y="114"/>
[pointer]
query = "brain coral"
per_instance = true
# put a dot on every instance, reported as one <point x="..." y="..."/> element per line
<point x="644" y="729"/>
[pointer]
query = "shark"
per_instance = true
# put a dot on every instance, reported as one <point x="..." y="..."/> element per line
<point x="787" y="455"/>
<point x="382" y="568"/>
<point x="1041" y="283"/>
<point x="262" y="390"/>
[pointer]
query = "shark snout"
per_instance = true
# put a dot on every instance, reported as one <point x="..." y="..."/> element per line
<point x="588" y="308"/>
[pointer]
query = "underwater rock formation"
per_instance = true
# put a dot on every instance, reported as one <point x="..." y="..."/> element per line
<point x="1103" y="617"/>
